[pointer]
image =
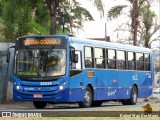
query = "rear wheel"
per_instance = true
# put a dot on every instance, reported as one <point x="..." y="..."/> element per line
<point x="125" y="102"/>
<point x="133" y="98"/>
<point x="96" y="103"/>
<point x="87" y="99"/>
<point x="39" y="105"/>
<point x="134" y="95"/>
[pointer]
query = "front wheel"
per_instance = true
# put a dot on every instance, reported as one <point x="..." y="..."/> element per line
<point x="87" y="99"/>
<point x="39" y="105"/>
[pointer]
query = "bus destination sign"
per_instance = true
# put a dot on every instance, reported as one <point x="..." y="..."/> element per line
<point x="53" y="41"/>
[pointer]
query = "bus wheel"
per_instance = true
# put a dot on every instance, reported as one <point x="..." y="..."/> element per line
<point x="133" y="98"/>
<point x="125" y="102"/>
<point x="87" y="99"/>
<point x="39" y="105"/>
<point x="96" y="103"/>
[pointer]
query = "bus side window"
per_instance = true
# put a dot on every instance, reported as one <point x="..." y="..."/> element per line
<point x="140" y="61"/>
<point x="147" y="62"/>
<point x="121" y="60"/>
<point x="99" y="58"/>
<point x="111" y="59"/>
<point x="89" y="58"/>
<point x="130" y="61"/>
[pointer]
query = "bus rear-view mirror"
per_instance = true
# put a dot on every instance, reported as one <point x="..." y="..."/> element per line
<point x="75" y="58"/>
<point x="9" y="54"/>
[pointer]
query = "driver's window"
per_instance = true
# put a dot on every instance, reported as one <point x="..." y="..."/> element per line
<point x="78" y="65"/>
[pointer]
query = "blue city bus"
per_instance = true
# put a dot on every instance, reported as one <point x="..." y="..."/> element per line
<point x="64" y="69"/>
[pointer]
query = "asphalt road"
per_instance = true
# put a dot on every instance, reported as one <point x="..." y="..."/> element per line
<point x="24" y="106"/>
<point x="26" y="109"/>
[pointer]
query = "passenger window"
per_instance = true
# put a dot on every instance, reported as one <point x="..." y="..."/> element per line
<point x="99" y="57"/>
<point x="89" y="60"/>
<point x="139" y="61"/>
<point x="111" y="59"/>
<point x="130" y="61"/>
<point x="121" y="62"/>
<point x="147" y="62"/>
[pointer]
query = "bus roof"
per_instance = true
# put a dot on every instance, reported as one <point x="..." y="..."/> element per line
<point x="89" y="42"/>
<point x="55" y="35"/>
<point x="105" y="44"/>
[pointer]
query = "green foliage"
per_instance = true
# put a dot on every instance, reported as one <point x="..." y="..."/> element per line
<point x="142" y="19"/>
<point x="22" y="17"/>
<point x="8" y="17"/>
<point x="17" y="19"/>
<point x="43" y="29"/>
<point x="99" y="5"/>
<point x="1" y="30"/>
<point x="71" y="16"/>
<point x="54" y="6"/>
<point x="42" y="14"/>
<point x="115" y="11"/>
<point x="0" y="7"/>
<point x="149" y="26"/>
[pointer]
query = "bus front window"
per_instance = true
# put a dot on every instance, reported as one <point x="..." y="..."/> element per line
<point x="40" y="62"/>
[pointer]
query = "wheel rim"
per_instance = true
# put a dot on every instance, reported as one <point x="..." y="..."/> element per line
<point x="134" y="96"/>
<point x="87" y="97"/>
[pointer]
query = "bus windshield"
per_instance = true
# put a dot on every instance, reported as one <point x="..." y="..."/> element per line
<point x="40" y="62"/>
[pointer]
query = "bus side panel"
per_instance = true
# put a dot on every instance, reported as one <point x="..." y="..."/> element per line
<point x="145" y="88"/>
<point x="141" y="79"/>
<point x="111" y="84"/>
<point x="76" y="89"/>
<point x="109" y="87"/>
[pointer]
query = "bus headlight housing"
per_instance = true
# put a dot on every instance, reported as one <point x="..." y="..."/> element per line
<point x="17" y="87"/>
<point x="62" y="86"/>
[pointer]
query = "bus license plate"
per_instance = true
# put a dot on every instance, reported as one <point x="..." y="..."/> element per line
<point x="38" y="96"/>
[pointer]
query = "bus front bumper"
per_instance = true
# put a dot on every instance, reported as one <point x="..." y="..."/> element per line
<point x="54" y="96"/>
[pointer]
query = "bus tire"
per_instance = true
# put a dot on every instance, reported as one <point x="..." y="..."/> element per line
<point x="134" y="95"/>
<point x="125" y="102"/>
<point x="39" y="105"/>
<point x="96" y="103"/>
<point x="88" y="96"/>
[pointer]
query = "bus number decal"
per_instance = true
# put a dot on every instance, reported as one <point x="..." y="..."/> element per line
<point x="135" y="77"/>
<point x="45" y="83"/>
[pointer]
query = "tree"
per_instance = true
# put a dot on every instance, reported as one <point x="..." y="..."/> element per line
<point x="70" y="16"/>
<point x="136" y="7"/>
<point x="9" y="23"/>
<point x="16" y="19"/>
<point x="53" y="6"/>
<point x="28" y="16"/>
<point x="149" y="27"/>
<point x="0" y="8"/>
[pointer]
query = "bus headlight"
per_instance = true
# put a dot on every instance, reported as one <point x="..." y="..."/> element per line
<point x="17" y="87"/>
<point x="62" y="86"/>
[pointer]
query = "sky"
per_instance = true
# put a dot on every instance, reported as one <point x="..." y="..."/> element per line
<point x="96" y="28"/>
